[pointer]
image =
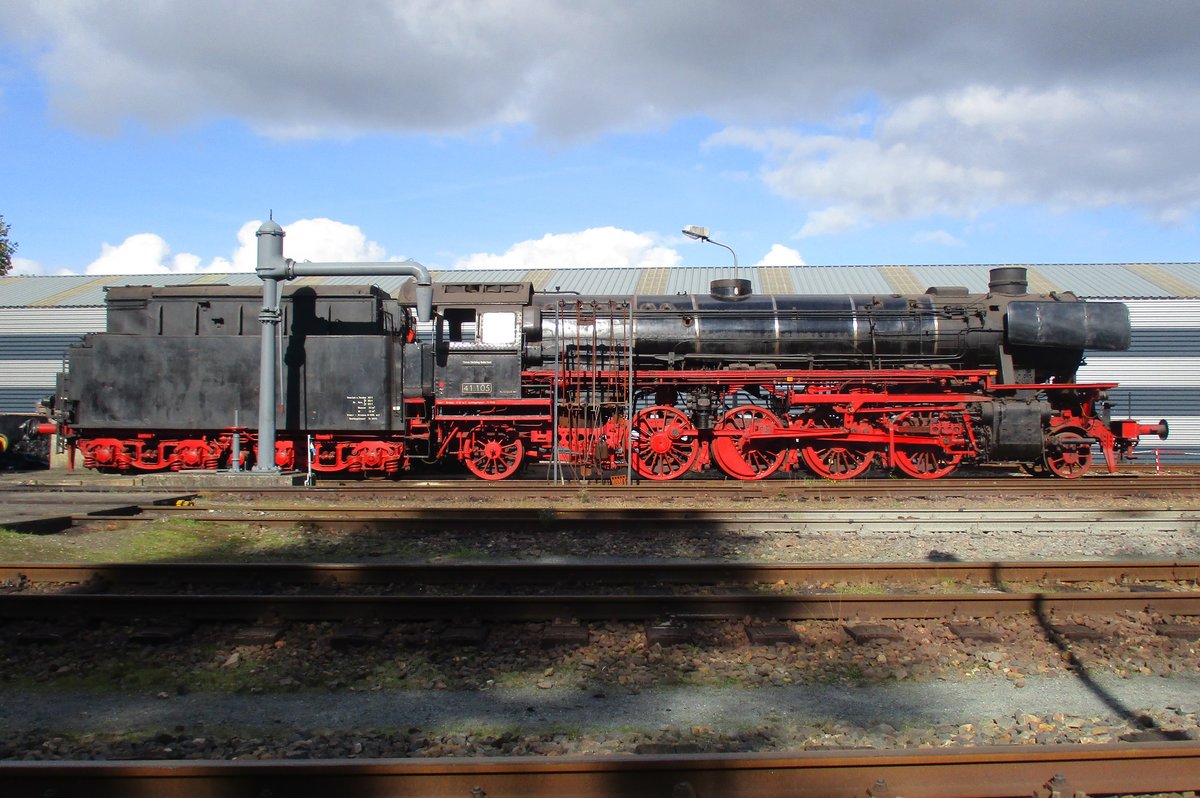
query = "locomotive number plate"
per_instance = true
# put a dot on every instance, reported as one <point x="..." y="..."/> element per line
<point x="476" y="387"/>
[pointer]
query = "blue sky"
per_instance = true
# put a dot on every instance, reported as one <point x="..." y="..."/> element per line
<point x="544" y="133"/>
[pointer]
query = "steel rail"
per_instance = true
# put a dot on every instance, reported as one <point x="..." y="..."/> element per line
<point x="513" y="607"/>
<point x="591" y="573"/>
<point x="987" y="772"/>
<point x="657" y="520"/>
<point x="383" y="512"/>
<point x="213" y="484"/>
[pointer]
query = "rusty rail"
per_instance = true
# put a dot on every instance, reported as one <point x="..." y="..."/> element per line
<point x="988" y="772"/>
<point x="1136" y="482"/>
<point x="640" y="572"/>
<point x="510" y="607"/>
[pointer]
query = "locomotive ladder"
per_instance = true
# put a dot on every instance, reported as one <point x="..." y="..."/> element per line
<point x="593" y="382"/>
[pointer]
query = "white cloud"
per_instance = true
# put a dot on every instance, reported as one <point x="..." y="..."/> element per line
<point x="598" y="247"/>
<point x="24" y="267"/>
<point x="320" y="240"/>
<point x="939" y="237"/>
<point x="781" y="256"/>
<point x="569" y="67"/>
<point x="861" y="117"/>
<point x="964" y="152"/>
<point x="142" y="253"/>
<point x="830" y="221"/>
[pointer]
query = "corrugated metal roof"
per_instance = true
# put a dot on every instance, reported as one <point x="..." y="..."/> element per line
<point x="482" y="275"/>
<point x="652" y="281"/>
<point x="28" y="291"/>
<point x="973" y="278"/>
<point x="775" y="280"/>
<point x="1174" y="283"/>
<point x="1116" y="280"/>
<point x="1098" y="279"/>
<point x="695" y="279"/>
<point x="589" y="281"/>
<point x="901" y="279"/>
<point x="838" y="280"/>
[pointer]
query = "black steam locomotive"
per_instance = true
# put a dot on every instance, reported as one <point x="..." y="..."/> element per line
<point x="661" y="386"/>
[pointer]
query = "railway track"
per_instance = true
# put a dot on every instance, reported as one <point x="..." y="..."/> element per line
<point x="988" y="772"/>
<point x="653" y="521"/>
<point x="218" y="486"/>
<point x="119" y="575"/>
<point x="96" y="596"/>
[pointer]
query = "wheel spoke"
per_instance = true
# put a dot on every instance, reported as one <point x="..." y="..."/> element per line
<point x="493" y="454"/>
<point x="1069" y="454"/>
<point x="667" y="444"/>
<point x="739" y="456"/>
<point x="834" y="461"/>
<point x="924" y="461"/>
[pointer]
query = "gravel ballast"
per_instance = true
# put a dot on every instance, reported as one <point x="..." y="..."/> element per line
<point x="96" y="695"/>
<point x="571" y="721"/>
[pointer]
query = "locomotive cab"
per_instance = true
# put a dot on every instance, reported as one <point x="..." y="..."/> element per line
<point x="477" y="339"/>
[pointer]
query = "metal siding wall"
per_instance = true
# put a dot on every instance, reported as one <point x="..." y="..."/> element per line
<point x="21" y="400"/>
<point x="35" y="347"/>
<point x="33" y="342"/>
<point x="52" y="321"/>
<point x="1181" y="313"/>
<point x="1159" y="376"/>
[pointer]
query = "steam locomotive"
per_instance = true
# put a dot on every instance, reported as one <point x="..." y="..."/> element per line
<point x="653" y="386"/>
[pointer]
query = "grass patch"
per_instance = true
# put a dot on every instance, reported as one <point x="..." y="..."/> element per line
<point x="859" y="589"/>
<point x="181" y="539"/>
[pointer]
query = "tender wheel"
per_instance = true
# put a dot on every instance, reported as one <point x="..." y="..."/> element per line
<point x="665" y="443"/>
<point x="739" y="457"/>
<point x="835" y="460"/>
<point x="493" y="453"/>
<point x="1069" y="454"/>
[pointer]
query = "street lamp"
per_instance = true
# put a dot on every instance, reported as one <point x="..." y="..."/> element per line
<point x="722" y="289"/>
<point x="701" y="234"/>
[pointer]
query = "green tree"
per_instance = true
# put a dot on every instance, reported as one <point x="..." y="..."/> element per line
<point x="7" y="248"/>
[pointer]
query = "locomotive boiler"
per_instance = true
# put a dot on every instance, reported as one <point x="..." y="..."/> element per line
<point x="657" y="386"/>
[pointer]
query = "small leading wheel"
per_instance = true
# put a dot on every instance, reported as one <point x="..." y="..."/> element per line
<point x="493" y="453"/>
<point x="1069" y="453"/>
<point x="835" y="460"/>
<point x="665" y="443"/>
<point x="737" y="455"/>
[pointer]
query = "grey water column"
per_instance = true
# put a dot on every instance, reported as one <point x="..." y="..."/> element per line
<point x="273" y="269"/>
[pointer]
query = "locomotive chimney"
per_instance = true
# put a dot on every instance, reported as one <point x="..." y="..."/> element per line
<point x="730" y="289"/>
<point x="1008" y="280"/>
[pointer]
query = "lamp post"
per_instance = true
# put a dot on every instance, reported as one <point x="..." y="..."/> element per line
<point x="721" y="289"/>
<point x="701" y="234"/>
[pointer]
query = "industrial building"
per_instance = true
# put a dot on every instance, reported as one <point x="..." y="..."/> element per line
<point x="40" y="317"/>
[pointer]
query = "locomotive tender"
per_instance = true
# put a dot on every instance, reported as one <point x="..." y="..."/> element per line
<point x="662" y="385"/>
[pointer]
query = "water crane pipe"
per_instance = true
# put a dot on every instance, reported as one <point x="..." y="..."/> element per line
<point x="273" y="268"/>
